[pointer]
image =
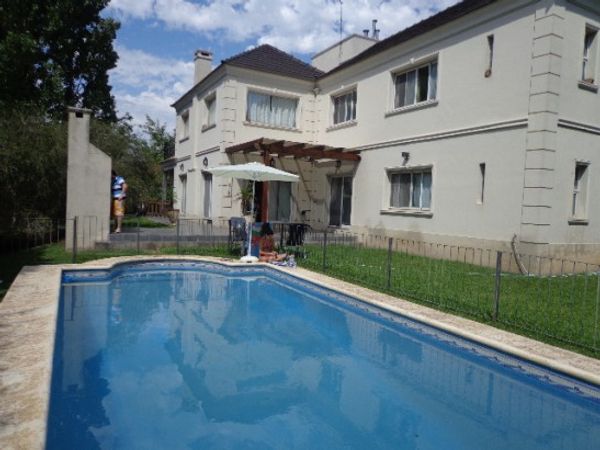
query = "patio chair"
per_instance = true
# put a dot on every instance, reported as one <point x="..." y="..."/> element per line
<point x="295" y="239"/>
<point x="237" y="234"/>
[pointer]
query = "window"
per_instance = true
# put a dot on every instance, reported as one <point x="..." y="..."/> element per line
<point x="578" y="210"/>
<point x="340" y="205"/>
<point x="207" y="177"/>
<point x="344" y="107"/>
<point x="411" y="189"/>
<point x="280" y="196"/>
<point x="490" y="55"/>
<point x="416" y="86"/>
<point x="590" y="50"/>
<point x="183" y="194"/>
<point x="270" y="110"/>
<point x="482" y="182"/>
<point x="185" y="125"/>
<point x="211" y="108"/>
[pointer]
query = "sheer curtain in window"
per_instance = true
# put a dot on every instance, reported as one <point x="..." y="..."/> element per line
<point x="283" y="112"/>
<point x="258" y="107"/>
<point x="433" y="76"/>
<point x="426" y="194"/>
<point x="271" y="110"/>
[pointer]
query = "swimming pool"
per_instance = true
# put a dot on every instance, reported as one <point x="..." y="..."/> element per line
<point x="197" y="355"/>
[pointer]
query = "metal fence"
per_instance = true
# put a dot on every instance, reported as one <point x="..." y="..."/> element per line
<point x="553" y="298"/>
<point x="30" y="233"/>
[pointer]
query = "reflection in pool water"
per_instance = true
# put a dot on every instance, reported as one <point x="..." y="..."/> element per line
<point x="197" y="359"/>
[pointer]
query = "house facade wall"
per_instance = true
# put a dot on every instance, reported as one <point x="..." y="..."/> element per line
<point x="529" y="121"/>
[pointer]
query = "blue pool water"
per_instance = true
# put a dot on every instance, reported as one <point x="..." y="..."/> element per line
<point x="193" y="355"/>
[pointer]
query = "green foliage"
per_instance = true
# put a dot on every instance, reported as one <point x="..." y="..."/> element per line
<point x="135" y="158"/>
<point x="33" y="165"/>
<point x="57" y="53"/>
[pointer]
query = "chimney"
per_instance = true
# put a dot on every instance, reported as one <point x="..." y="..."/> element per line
<point x="202" y="64"/>
<point x="366" y="32"/>
<point x="375" y="29"/>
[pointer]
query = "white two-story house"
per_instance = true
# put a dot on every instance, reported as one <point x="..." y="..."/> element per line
<point x="477" y="124"/>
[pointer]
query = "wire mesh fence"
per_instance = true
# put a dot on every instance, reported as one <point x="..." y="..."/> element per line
<point x="546" y="297"/>
<point x="555" y="298"/>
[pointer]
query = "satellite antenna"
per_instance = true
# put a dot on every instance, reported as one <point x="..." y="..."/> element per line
<point x="341" y="31"/>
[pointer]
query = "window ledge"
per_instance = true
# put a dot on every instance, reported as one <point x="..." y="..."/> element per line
<point x="574" y="221"/>
<point x="587" y="86"/>
<point x="407" y="212"/>
<point x="350" y="123"/>
<point x="183" y="139"/>
<point x="414" y="107"/>
<point x="208" y="127"/>
<point x="270" y="127"/>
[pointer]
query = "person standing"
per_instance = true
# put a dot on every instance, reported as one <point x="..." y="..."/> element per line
<point x="119" y="193"/>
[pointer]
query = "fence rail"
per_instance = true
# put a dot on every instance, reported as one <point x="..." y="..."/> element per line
<point x="547" y="297"/>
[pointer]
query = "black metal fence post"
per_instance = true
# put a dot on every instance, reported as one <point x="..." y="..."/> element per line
<point x="497" y="284"/>
<point x="177" y="244"/>
<point x="389" y="264"/>
<point x="74" y="253"/>
<point x="324" y="250"/>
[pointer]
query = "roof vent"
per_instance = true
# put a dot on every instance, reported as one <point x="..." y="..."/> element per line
<point x="375" y="29"/>
<point x="366" y="32"/>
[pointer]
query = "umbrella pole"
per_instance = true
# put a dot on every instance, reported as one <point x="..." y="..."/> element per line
<point x="251" y="220"/>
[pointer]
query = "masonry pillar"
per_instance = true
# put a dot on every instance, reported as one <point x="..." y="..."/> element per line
<point x="88" y="184"/>
<point x="541" y="146"/>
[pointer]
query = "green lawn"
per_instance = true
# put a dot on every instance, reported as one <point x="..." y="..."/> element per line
<point x="562" y="310"/>
<point x="10" y="264"/>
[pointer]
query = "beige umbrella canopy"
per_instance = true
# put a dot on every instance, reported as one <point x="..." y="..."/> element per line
<point x="255" y="172"/>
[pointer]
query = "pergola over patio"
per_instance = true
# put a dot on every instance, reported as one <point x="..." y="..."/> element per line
<point x="270" y="147"/>
<point x="267" y="148"/>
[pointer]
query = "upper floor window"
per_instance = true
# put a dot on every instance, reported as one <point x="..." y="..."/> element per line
<point x="411" y="188"/>
<point x="271" y="110"/>
<point x="211" y="108"/>
<point x="590" y="52"/>
<point x="416" y="85"/>
<point x="185" y="124"/>
<point x="344" y="107"/>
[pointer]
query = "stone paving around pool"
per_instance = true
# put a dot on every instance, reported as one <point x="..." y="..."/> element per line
<point x="28" y="317"/>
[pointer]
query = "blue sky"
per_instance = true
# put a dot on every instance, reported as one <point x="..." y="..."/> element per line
<point x="158" y="38"/>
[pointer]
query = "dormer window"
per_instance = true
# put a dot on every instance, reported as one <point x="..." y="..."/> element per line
<point x="271" y="110"/>
<point x="415" y="86"/>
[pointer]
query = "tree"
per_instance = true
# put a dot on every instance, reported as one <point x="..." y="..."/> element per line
<point x="33" y="166"/>
<point x="135" y="158"/>
<point x="57" y="53"/>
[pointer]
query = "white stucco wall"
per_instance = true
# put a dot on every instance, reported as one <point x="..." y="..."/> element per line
<point x="518" y="121"/>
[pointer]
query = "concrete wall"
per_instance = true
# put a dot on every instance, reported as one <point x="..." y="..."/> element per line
<point x="88" y="184"/>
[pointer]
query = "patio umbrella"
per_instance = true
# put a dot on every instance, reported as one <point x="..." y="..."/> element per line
<point x="255" y="172"/>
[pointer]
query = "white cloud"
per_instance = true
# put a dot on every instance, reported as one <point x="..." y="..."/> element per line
<point x="145" y="84"/>
<point x="301" y="26"/>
